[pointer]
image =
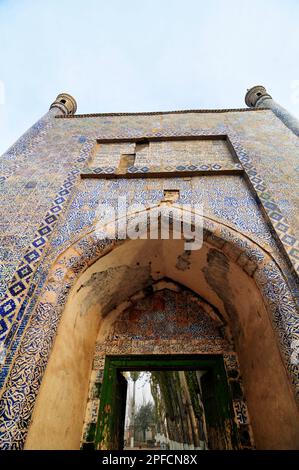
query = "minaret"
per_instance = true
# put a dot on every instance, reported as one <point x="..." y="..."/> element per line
<point x="257" y="97"/>
<point x="65" y="103"/>
<point x="20" y="152"/>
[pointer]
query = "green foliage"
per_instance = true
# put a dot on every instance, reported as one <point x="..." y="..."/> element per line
<point x="134" y="375"/>
<point x="145" y="417"/>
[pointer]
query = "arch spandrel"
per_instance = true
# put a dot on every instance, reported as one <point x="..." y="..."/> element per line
<point x="243" y="260"/>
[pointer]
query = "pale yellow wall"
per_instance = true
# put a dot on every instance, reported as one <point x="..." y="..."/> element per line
<point x="59" y="411"/>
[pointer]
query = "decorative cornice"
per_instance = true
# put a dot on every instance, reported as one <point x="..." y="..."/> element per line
<point x="164" y="171"/>
<point x="157" y="113"/>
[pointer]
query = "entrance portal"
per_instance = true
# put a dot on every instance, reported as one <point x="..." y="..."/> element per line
<point x="151" y="297"/>
<point x="191" y="409"/>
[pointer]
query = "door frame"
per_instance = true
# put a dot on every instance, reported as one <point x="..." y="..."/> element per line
<point x="106" y="431"/>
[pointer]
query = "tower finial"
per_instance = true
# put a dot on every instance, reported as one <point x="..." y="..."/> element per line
<point x="257" y="97"/>
<point x="66" y="103"/>
<point x="254" y="94"/>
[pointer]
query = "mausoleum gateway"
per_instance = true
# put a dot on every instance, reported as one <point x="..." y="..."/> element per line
<point x="79" y="306"/>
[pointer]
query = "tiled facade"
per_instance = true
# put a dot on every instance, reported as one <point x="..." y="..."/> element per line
<point x="168" y="322"/>
<point x="243" y="163"/>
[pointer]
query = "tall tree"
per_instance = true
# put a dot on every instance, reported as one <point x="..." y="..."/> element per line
<point x="134" y="375"/>
<point x="145" y="417"/>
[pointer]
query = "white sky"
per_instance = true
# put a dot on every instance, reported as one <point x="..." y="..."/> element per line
<point x="143" y="55"/>
<point x="143" y="392"/>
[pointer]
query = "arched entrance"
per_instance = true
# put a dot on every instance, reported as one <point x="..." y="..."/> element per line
<point x="185" y="347"/>
<point x="94" y="280"/>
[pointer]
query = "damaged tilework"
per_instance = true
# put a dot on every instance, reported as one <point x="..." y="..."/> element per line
<point x="233" y="205"/>
<point x="140" y="125"/>
<point x="167" y="322"/>
<point x="20" y="283"/>
<point x="66" y="139"/>
<point x="185" y="152"/>
<point x="44" y="318"/>
<point x="37" y="177"/>
<point x="109" y="154"/>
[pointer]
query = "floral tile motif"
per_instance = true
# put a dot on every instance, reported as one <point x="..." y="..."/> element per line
<point x="51" y="190"/>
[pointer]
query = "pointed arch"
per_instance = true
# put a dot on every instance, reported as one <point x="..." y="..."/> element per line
<point x="240" y="278"/>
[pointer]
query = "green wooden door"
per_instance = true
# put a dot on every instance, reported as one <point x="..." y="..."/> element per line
<point x="221" y="428"/>
<point x="110" y="429"/>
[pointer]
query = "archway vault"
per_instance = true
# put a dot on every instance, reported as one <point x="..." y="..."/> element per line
<point x="93" y="280"/>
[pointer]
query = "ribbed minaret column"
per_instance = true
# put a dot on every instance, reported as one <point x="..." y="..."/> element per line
<point x="64" y="105"/>
<point x="257" y="97"/>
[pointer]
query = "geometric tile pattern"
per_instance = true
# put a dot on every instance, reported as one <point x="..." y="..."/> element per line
<point x="28" y="189"/>
<point x="266" y="202"/>
<point x="14" y="297"/>
<point x="17" y="289"/>
<point x="19" y="304"/>
<point x="162" y="171"/>
<point x="33" y="170"/>
<point x="158" y="325"/>
<point x="24" y="148"/>
<point x="184" y="152"/>
<point x="32" y="355"/>
<point x="275" y="218"/>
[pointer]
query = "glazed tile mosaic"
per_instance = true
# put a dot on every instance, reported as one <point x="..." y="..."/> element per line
<point x="185" y="152"/>
<point x="47" y="316"/>
<point x="48" y="205"/>
<point x="166" y="322"/>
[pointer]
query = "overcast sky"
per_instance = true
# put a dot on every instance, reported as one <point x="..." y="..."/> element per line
<point x="143" y="55"/>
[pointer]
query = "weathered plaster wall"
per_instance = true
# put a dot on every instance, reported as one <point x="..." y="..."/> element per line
<point x="271" y="145"/>
<point x="34" y="169"/>
<point x="271" y="401"/>
<point x="46" y="207"/>
<point x="163" y="321"/>
<point x="59" y="411"/>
